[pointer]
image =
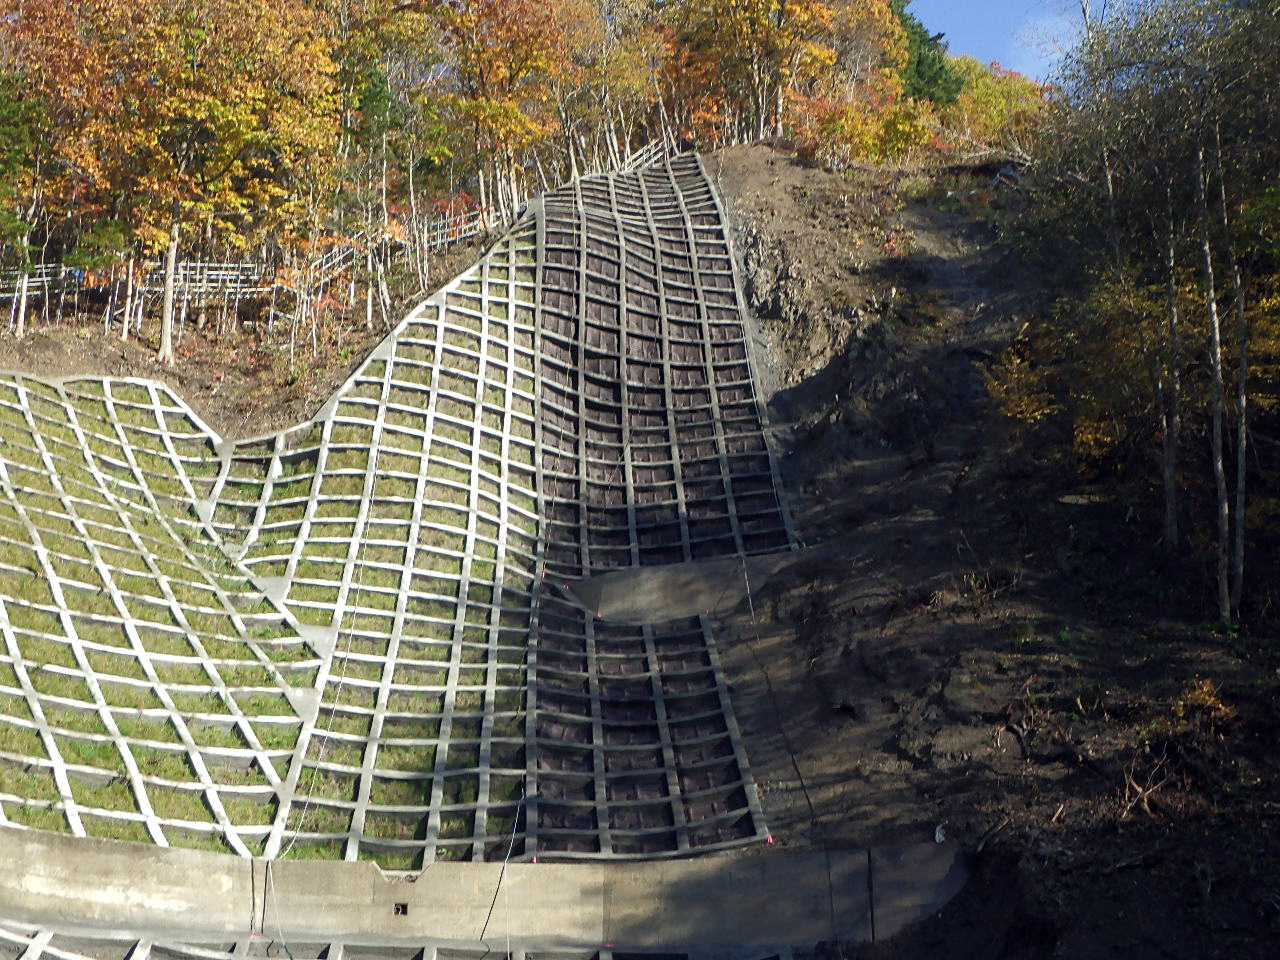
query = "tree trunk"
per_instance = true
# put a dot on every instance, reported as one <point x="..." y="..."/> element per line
<point x="542" y="173"/>
<point x="1113" y="220"/>
<point x="1242" y="440"/>
<point x="664" y="122"/>
<point x="166" y="311"/>
<point x="513" y="184"/>
<point x="1215" y="364"/>
<point x="368" y="289"/>
<point x="111" y="303"/>
<point x="128" y="300"/>
<point x="24" y="285"/>
<point x="567" y="129"/>
<point x="46" y="300"/>
<point x="616" y="156"/>
<point x="62" y="294"/>
<point x="1242" y="383"/>
<point x="271" y="310"/>
<point x="384" y="294"/>
<point x="1173" y="398"/>
<point x="24" y="282"/>
<point x="382" y="189"/>
<point x="419" y="248"/>
<point x="182" y="317"/>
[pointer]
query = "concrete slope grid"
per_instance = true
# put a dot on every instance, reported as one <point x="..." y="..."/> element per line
<point x="337" y="641"/>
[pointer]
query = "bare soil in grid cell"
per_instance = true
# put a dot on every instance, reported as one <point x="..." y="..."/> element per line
<point x="240" y="384"/>
<point x="975" y="642"/>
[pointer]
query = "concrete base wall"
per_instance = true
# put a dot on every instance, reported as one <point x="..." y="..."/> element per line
<point x="739" y="900"/>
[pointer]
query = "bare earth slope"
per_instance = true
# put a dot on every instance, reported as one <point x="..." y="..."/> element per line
<point x="240" y="385"/>
<point x="936" y="659"/>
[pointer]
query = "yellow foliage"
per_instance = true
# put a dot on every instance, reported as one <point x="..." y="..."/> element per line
<point x="1201" y="703"/>
<point x="1264" y="346"/>
<point x="1094" y="366"/>
<point x="1019" y="389"/>
<point x="996" y="108"/>
<point x="184" y="107"/>
<point x="1093" y="441"/>
<point x="880" y="126"/>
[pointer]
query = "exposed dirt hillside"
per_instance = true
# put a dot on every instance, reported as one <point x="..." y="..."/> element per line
<point x="948" y="653"/>
<point x="241" y="384"/>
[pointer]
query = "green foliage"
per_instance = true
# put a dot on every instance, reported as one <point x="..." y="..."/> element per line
<point x="21" y="122"/>
<point x="21" y="119"/>
<point x="1080" y="369"/>
<point x="1260" y="220"/>
<point x="929" y="73"/>
<point x="378" y="112"/>
<point x="1155" y="171"/>
<point x="105" y="243"/>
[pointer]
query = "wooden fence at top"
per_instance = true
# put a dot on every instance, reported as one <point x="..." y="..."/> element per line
<point x="201" y="282"/>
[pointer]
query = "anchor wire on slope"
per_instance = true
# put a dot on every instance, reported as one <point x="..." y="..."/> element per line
<point x="786" y="739"/>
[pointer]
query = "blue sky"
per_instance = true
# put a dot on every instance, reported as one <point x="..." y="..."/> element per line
<point x="1021" y="34"/>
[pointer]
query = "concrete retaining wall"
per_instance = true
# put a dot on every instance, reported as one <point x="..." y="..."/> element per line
<point x="772" y="898"/>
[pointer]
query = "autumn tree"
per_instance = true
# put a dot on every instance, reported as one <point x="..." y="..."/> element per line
<point x="995" y="113"/>
<point x="183" y="111"/>
<point x="308" y="126"/>
<point x="504" y="54"/>
<point x="826" y="70"/>
<point x="604" y="88"/>
<point x="1158" y="143"/>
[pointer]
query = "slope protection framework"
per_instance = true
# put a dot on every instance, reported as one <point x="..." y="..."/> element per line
<point x="347" y="639"/>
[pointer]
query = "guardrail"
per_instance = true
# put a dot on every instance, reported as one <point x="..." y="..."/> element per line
<point x="43" y="277"/>
<point x="453" y="229"/>
<point x="651" y="152"/>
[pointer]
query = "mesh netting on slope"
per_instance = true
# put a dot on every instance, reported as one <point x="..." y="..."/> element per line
<point x="579" y="400"/>
<point x="653" y="446"/>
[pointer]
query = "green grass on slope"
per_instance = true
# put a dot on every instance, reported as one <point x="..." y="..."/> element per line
<point x="142" y="675"/>
<point x="137" y="664"/>
<point x="408" y="520"/>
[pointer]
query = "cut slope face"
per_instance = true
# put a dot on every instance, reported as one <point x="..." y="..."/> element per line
<point x="338" y="640"/>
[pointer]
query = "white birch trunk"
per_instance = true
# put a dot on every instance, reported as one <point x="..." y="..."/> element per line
<point x="166" y="311"/>
<point x="1216" y="413"/>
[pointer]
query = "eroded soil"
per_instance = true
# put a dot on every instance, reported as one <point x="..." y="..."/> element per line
<point x="971" y="644"/>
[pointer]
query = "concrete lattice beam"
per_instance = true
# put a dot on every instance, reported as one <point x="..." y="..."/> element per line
<point x="338" y="636"/>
